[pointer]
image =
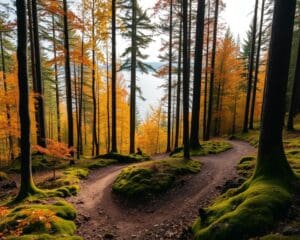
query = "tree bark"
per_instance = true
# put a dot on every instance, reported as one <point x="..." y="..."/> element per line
<point x="113" y="82"/>
<point x="271" y="161"/>
<point x="27" y="185"/>
<point x="250" y="70"/>
<point x="39" y="91"/>
<point x="212" y="73"/>
<point x="197" y="75"/>
<point x="68" y="77"/>
<point x="133" y="80"/>
<point x="295" y="96"/>
<point x="257" y="66"/>
<point x="186" y="140"/>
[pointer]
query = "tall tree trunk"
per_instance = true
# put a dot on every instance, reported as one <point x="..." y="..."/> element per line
<point x="27" y="186"/>
<point x="68" y="77"/>
<point x="108" y="101"/>
<point x="186" y="82"/>
<point x="114" y="82"/>
<point x="197" y="75"/>
<point x="79" y="130"/>
<point x="233" y="129"/>
<point x="39" y="84"/>
<point x="170" y="77"/>
<point x="178" y="94"/>
<point x="295" y="96"/>
<point x="257" y="65"/>
<point x="133" y="79"/>
<point x="95" y="138"/>
<point x="56" y="81"/>
<point x="206" y="72"/>
<point x="271" y="161"/>
<point x="212" y="73"/>
<point x="8" y="115"/>
<point x="251" y="67"/>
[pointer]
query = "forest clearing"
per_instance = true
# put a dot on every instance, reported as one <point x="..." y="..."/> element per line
<point x="211" y="153"/>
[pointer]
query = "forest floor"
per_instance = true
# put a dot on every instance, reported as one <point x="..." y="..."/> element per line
<point x="102" y="216"/>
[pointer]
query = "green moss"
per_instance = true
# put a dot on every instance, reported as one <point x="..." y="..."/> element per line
<point x="131" y="158"/>
<point x="55" y="219"/>
<point x="3" y="176"/>
<point x="207" y="147"/>
<point x="252" y="137"/>
<point x="246" y="166"/>
<point x="145" y="180"/>
<point x="244" y="212"/>
<point x="279" y="237"/>
<point x="97" y="163"/>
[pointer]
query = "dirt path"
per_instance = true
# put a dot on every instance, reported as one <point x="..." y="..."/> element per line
<point x="102" y="217"/>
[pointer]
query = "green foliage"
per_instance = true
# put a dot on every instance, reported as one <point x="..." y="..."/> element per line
<point x="244" y="212"/>
<point x="35" y="220"/>
<point x="121" y="158"/>
<point x="3" y="176"/>
<point x="143" y="181"/>
<point x="207" y="147"/>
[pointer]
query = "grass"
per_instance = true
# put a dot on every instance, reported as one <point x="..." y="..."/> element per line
<point x="207" y="147"/>
<point x="254" y="208"/>
<point x="143" y="181"/>
<point x="41" y="220"/>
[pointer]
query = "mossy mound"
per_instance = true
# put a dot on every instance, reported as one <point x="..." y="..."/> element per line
<point x="3" y="176"/>
<point x="121" y="158"/>
<point x="246" y="166"/>
<point x="94" y="164"/>
<point x="207" y="147"/>
<point x="241" y="213"/>
<point x="252" y="137"/>
<point x="143" y="181"/>
<point x="35" y="220"/>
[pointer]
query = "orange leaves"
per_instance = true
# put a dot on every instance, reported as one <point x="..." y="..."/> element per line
<point x="56" y="149"/>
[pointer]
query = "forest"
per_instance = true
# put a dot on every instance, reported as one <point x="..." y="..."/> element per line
<point x="85" y="155"/>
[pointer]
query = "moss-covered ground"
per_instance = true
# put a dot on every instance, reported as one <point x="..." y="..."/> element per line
<point x="44" y="215"/>
<point x="145" y="180"/>
<point x="207" y="147"/>
<point x="256" y="207"/>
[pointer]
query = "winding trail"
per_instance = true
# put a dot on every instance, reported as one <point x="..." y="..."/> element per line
<point x="100" y="216"/>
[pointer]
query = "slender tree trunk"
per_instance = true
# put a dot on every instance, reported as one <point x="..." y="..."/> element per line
<point x="206" y="71"/>
<point x="197" y="75"/>
<point x="56" y="81"/>
<point x="79" y="130"/>
<point x="95" y="139"/>
<point x="271" y="161"/>
<point x="39" y="84"/>
<point x="294" y="98"/>
<point x="170" y="78"/>
<point x="133" y="79"/>
<point x="186" y="82"/>
<point x="257" y="65"/>
<point x="8" y="115"/>
<point x="212" y="73"/>
<point x="114" y="82"/>
<point x="68" y="77"/>
<point x="178" y="94"/>
<point x="250" y="72"/>
<point x="27" y="185"/>
<point x="233" y="129"/>
<point x="108" y="101"/>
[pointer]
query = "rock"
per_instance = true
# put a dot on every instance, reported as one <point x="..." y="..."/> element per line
<point x="134" y="236"/>
<point x="108" y="236"/>
<point x="289" y="230"/>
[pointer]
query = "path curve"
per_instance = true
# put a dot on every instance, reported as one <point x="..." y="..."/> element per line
<point x="100" y="216"/>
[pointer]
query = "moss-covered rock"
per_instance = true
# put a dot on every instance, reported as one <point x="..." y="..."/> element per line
<point x="142" y="181"/>
<point x="121" y="158"/>
<point x="207" y="147"/>
<point x="241" y="213"/>
<point x="30" y="219"/>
